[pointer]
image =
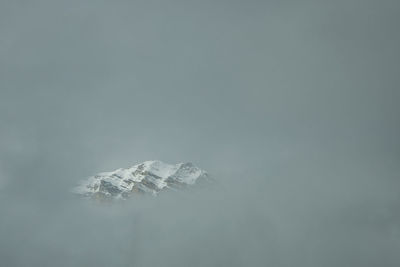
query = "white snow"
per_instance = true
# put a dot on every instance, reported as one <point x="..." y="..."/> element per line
<point x="149" y="176"/>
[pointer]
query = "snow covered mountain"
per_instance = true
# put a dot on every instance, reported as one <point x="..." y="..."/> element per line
<point x="149" y="177"/>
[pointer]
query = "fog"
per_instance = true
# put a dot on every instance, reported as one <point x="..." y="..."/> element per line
<point x="291" y="106"/>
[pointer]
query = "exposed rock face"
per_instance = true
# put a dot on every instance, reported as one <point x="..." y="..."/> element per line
<point x="149" y="177"/>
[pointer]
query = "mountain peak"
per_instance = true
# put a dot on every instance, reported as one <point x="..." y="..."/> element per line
<point x="149" y="177"/>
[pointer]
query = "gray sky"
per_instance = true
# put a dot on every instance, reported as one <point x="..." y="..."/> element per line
<point x="293" y="105"/>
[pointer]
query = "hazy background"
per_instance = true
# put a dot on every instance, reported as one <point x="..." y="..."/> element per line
<point x="292" y="105"/>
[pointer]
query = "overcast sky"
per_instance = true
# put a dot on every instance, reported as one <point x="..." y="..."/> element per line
<point x="294" y="105"/>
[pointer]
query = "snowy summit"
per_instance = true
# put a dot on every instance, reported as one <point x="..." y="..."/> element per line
<point x="147" y="177"/>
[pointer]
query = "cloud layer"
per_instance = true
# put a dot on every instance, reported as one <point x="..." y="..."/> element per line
<point x="291" y="105"/>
